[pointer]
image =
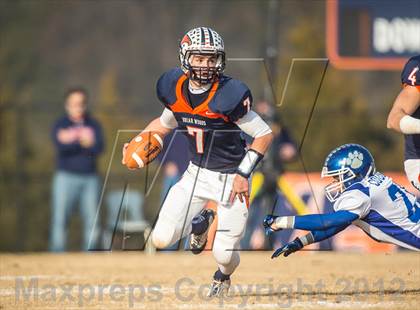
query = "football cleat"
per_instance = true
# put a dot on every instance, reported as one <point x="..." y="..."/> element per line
<point x="200" y="227"/>
<point x="220" y="285"/>
<point x="219" y="288"/>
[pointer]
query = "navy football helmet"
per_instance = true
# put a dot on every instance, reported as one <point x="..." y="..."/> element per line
<point x="347" y="164"/>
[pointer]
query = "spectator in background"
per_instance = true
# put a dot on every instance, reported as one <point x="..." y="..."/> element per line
<point x="78" y="141"/>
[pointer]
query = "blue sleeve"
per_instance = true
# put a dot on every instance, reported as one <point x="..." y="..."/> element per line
<point x="324" y="221"/>
<point x="64" y="149"/>
<point x="320" y="235"/>
<point x="411" y="72"/>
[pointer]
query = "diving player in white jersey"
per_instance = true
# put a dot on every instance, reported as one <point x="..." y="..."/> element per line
<point x="361" y="196"/>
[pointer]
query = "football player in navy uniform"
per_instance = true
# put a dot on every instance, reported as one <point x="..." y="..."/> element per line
<point x="405" y="118"/>
<point x="211" y="109"/>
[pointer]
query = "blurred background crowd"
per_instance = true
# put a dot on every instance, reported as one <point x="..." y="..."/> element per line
<point x="78" y="77"/>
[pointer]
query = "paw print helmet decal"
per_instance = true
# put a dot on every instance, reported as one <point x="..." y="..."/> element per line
<point x="355" y="160"/>
<point x="347" y="164"/>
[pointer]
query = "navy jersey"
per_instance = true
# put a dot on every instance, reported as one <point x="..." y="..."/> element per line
<point x="215" y="141"/>
<point x="410" y="76"/>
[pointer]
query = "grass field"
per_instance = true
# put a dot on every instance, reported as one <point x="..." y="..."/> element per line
<point x="122" y="280"/>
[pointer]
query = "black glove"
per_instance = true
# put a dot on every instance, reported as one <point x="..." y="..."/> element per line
<point x="268" y="221"/>
<point x="288" y="248"/>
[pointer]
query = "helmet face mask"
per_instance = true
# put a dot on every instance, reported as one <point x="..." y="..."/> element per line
<point x="347" y="164"/>
<point x="338" y="186"/>
<point x="207" y="73"/>
<point x="205" y="42"/>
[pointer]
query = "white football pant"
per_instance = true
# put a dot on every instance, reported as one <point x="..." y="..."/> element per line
<point x="187" y="198"/>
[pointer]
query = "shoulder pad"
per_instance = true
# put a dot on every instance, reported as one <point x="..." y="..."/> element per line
<point x="411" y="72"/>
<point x="165" y="86"/>
<point x="354" y="201"/>
<point x="233" y="98"/>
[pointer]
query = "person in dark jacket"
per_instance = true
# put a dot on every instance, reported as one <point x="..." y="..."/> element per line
<point x="78" y="141"/>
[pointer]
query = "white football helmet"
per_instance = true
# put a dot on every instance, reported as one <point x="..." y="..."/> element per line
<point x="202" y="41"/>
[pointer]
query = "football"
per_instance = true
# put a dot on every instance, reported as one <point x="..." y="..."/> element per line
<point x="143" y="149"/>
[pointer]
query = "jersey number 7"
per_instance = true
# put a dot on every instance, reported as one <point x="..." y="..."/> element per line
<point x="199" y="138"/>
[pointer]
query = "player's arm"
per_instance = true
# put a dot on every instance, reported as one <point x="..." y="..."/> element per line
<point x="311" y="237"/>
<point x="408" y="100"/>
<point x="262" y="143"/>
<point x="399" y="118"/>
<point x="163" y="124"/>
<point x="253" y="125"/>
<point x="350" y="206"/>
<point x="309" y="222"/>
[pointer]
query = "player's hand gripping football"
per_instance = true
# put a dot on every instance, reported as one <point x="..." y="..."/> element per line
<point x="142" y="149"/>
<point x="124" y="151"/>
<point x="240" y="188"/>
<point x="288" y="248"/>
